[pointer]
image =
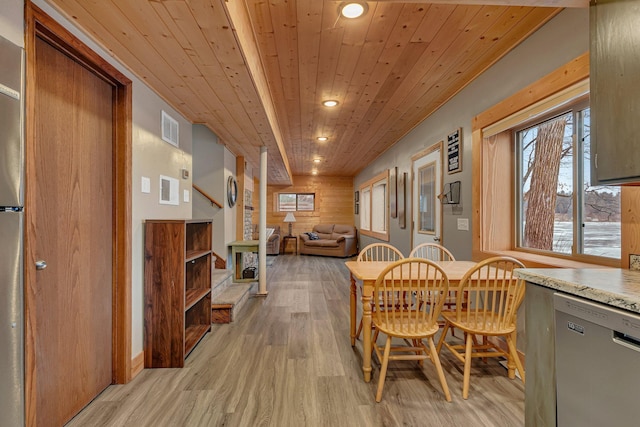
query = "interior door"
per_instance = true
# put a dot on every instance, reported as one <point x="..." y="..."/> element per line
<point x="426" y="206"/>
<point x="71" y="304"/>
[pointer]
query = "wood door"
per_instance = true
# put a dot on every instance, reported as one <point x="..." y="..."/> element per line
<point x="72" y="299"/>
<point x="426" y="206"/>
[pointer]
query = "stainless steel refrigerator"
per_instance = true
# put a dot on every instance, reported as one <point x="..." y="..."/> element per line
<point x="11" y="234"/>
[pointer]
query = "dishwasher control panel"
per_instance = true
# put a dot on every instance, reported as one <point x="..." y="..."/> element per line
<point x="618" y="320"/>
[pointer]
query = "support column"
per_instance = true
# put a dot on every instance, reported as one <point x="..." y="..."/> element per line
<point x="262" y="247"/>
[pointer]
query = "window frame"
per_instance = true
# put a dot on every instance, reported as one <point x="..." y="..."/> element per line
<point x="576" y="109"/>
<point x="296" y="194"/>
<point x="493" y="192"/>
<point x="366" y="206"/>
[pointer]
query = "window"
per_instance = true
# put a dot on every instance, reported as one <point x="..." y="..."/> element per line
<point x="427" y="212"/>
<point x="558" y="210"/>
<point x="495" y="187"/>
<point x="374" y="207"/>
<point x="296" y="202"/>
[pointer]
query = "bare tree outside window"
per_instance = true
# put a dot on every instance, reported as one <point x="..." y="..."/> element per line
<point x="559" y="210"/>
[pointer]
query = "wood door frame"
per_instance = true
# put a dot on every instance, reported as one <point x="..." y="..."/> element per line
<point x="437" y="146"/>
<point x="39" y="24"/>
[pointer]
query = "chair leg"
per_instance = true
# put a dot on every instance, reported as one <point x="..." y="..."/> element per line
<point x="383" y="368"/>
<point x="416" y="343"/>
<point x="436" y="361"/>
<point x="442" y="336"/>
<point x="514" y="356"/>
<point x="467" y="366"/>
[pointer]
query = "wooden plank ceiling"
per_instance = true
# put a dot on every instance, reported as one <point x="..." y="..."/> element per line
<point x="256" y="71"/>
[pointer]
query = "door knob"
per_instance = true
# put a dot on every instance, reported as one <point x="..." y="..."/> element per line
<point x="41" y="265"/>
<point x="436" y="239"/>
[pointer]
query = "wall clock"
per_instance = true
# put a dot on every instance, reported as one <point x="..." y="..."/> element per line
<point x="232" y="191"/>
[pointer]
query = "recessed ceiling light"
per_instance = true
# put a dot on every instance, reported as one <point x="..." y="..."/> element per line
<point x="353" y="10"/>
<point x="316" y="160"/>
<point x="322" y="138"/>
<point x="330" y="103"/>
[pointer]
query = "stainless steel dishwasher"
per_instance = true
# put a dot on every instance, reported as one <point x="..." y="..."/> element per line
<point x="597" y="364"/>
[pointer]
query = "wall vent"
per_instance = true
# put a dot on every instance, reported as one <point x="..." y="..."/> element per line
<point x="169" y="129"/>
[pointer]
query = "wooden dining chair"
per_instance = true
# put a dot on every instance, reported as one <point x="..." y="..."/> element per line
<point x="493" y="297"/>
<point x="432" y="251"/>
<point x="412" y="321"/>
<point x="436" y="252"/>
<point x="377" y="252"/>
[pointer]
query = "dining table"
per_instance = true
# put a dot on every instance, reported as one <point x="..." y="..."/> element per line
<point x="367" y="272"/>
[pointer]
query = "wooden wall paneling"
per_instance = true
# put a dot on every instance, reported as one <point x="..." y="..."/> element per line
<point x="497" y="195"/>
<point x="334" y="203"/>
<point x="630" y="223"/>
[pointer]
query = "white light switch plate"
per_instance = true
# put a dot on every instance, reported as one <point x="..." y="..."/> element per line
<point x="463" y="224"/>
<point x="185" y="196"/>
<point x="145" y="185"/>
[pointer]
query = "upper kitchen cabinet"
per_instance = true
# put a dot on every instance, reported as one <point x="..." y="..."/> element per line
<point x="615" y="91"/>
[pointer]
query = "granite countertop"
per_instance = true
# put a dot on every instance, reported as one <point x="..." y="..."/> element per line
<point x="612" y="286"/>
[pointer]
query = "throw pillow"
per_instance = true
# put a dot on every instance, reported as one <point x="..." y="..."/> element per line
<point x="270" y="232"/>
<point x="312" y="235"/>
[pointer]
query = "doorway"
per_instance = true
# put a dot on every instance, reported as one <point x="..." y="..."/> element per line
<point x="426" y="186"/>
<point x="78" y="234"/>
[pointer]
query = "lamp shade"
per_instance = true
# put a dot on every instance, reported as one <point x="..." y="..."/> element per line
<point x="289" y="217"/>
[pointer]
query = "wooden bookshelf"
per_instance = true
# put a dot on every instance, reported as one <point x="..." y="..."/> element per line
<point x="177" y="289"/>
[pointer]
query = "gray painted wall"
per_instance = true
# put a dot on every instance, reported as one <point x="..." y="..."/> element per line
<point x="12" y="21"/>
<point x="562" y="39"/>
<point x="211" y="167"/>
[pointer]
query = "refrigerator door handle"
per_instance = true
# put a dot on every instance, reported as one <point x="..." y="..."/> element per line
<point x="41" y="265"/>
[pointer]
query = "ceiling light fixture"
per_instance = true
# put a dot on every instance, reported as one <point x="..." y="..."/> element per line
<point x="316" y="160"/>
<point x="330" y="103"/>
<point x="353" y="9"/>
<point x="323" y="138"/>
<point x="314" y="172"/>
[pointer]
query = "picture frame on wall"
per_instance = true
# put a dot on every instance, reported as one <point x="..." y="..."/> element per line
<point x="393" y="188"/>
<point x="454" y="151"/>
<point x="357" y="196"/>
<point x="357" y="209"/>
<point x="402" y="183"/>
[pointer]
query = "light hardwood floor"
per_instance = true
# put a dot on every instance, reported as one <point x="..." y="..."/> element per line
<point x="288" y="362"/>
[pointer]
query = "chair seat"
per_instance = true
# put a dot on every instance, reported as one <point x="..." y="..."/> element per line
<point x="399" y="325"/>
<point x="472" y="321"/>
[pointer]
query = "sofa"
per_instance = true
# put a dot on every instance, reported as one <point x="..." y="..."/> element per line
<point x="273" y="241"/>
<point x="332" y="240"/>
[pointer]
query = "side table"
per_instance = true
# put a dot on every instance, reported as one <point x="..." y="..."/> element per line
<point x="237" y="249"/>
<point x="284" y="243"/>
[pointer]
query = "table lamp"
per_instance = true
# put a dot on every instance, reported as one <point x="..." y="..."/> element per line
<point x="290" y="218"/>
